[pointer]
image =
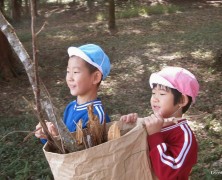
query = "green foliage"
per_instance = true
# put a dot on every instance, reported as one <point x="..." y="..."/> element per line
<point x="21" y="160"/>
<point x="135" y="11"/>
<point x="128" y="13"/>
<point x="25" y="37"/>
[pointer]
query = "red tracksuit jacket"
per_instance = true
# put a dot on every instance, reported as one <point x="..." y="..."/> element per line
<point x="173" y="151"/>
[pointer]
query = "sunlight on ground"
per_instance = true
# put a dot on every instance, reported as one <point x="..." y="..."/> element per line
<point x="100" y="17"/>
<point x="202" y="54"/>
<point x="110" y="86"/>
<point x="159" y="25"/>
<point x="63" y="36"/>
<point x="196" y="126"/>
<point x="63" y="1"/>
<point x="157" y="49"/>
<point x="215" y="3"/>
<point x="170" y="57"/>
<point x="215" y="125"/>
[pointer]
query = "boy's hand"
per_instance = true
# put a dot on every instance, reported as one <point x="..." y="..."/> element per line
<point x="129" y="118"/>
<point x="40" y="132"/>
<point x="154" y="123"/>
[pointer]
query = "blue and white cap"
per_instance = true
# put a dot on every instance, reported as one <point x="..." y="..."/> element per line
<point x="94" y="55"/>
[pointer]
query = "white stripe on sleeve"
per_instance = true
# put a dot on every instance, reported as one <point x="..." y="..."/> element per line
<point x="177" y="162"/>
<point x="101" y="113"/>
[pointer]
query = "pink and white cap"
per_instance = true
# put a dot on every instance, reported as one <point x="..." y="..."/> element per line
<point x="177" y="78"/>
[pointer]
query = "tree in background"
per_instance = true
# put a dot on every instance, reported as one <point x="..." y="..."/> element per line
<point x="2" y="6"/>
<point x="27" y="12"/>
<point x="9" y="65"/>
<point x="112" y="22"/>
<point x="16" y="7"/>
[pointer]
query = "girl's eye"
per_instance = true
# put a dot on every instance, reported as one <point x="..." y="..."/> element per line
<point x="75" y="72"/>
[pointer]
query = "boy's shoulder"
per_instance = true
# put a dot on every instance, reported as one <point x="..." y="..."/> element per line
<point x="72" y="103"/>
<point x="76" y="106"/>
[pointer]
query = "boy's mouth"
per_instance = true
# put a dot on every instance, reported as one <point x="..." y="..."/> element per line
<point x="72" y="87"/>
<point x="156" y="108"/>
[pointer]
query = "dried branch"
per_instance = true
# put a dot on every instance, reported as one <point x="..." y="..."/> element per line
<point x="94" y="127"/>
<point x="114" y="132"/>
<point x="30" y="134"/>
<point x="13" y="133"/>
<point x="43" y="26"/>
<point x="10" y="34"/>
<point x="79" y="132"/>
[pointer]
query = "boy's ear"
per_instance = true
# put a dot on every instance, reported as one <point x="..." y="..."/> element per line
<point x="184" y="100"/>
<point x="97" y="77"/>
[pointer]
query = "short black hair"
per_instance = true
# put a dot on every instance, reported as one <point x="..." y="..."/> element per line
<point x="92" y="69"/>
<point x="177" y="96"/>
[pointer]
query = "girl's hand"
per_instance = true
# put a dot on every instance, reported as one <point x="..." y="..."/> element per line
<point x="40" y="132"/>
<point x="154" y="123"/>
<point x="129" y="118"/>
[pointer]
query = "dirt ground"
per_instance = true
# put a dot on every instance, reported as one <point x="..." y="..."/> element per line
<point x="141" y="46"/>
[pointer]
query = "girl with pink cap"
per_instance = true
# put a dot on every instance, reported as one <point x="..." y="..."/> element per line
<point x="172" y="147"/>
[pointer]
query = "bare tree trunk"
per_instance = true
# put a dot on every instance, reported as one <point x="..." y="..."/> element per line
<point x="35" y="8"/>
<point x="26" y="7"/>
<point x="90" y="5"/>
<point x="2" y="6"/>
<point x="112" y="23"/>
<point x="16" y="9"/>
<point x="8" y="62"/>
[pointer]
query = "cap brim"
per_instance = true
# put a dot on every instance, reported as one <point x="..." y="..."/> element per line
<point x="74" y="51"/>
<point x="157" y="79"/>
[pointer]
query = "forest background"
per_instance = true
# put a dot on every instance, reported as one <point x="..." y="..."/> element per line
<point x="149" y="34"/>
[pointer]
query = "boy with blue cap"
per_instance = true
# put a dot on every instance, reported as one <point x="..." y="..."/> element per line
<point x="88" y="65"/>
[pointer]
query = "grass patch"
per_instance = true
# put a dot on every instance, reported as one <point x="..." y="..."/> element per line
<point x="25" y="37"/>
<point x="135" y="11"/>
<point x="21" y="160"/>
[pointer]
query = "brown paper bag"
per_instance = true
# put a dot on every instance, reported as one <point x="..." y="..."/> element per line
<point x="122" y="159"/>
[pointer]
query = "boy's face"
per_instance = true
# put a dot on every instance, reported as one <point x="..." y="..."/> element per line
<point x="78" y="77"/>
<point x="162" y="102"/>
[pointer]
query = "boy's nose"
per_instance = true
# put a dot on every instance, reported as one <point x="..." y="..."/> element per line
<point x="69" y="77"/>
<point x="155" y="98"/>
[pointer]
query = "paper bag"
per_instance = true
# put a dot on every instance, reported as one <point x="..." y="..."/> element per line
<point x="125" y="158"/>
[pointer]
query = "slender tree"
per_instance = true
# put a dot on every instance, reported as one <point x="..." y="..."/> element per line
<point x="2" y="5"/>
<point x="35" y="9"/>
<point x="27" y="12"/>
<point x="112" y="22"/>
<point x="9" y="65"/>
<point x="16" y="7"/>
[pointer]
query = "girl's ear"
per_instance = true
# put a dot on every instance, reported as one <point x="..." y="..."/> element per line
<point x="97" y="77"/>
<point x="184" y="100"/>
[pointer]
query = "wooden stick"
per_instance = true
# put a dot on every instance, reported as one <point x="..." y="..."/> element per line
<point x="48" y="107"/>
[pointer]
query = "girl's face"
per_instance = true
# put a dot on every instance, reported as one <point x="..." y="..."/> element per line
<point x="162" y="102"/>
<point x="78" y="77"/>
